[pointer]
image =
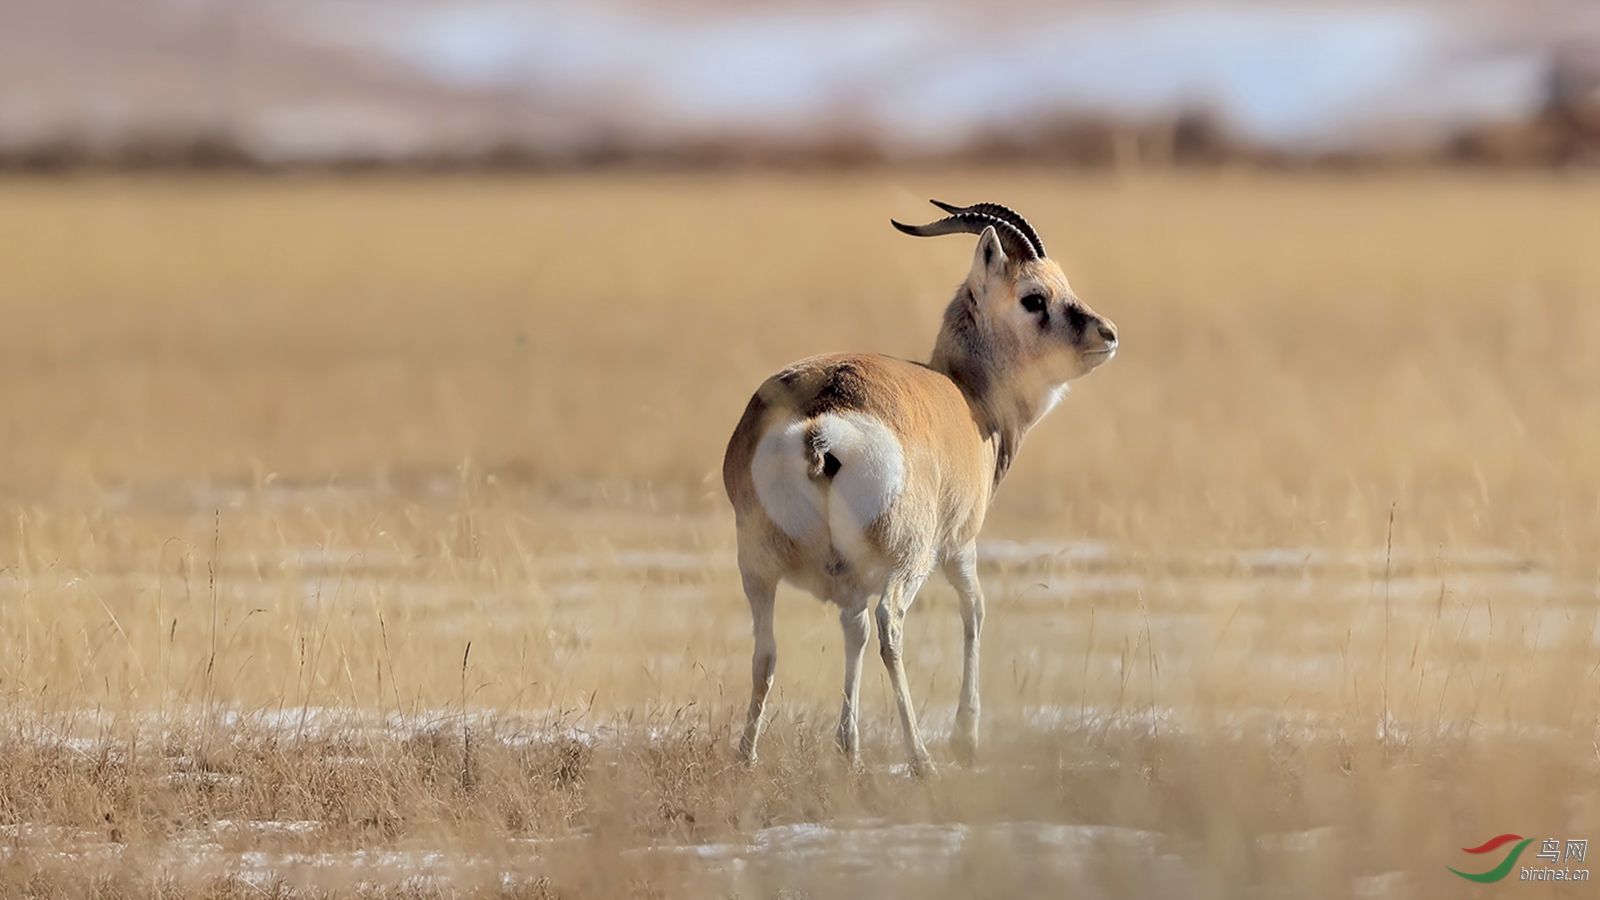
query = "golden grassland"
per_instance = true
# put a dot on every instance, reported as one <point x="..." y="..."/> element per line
<point x="366" y="537"/>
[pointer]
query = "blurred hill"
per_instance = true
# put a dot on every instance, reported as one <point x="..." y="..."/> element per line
<point x="276" y="83"/>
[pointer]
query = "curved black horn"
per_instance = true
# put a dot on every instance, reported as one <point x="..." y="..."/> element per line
<point x="1005" y="213"/>
<point x="1016" y="244"/>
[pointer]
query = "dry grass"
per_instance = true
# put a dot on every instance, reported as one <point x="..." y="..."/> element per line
<point x="276" y="452"/>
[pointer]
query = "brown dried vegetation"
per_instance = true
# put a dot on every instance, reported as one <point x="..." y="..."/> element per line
<point x="364" y="540"/>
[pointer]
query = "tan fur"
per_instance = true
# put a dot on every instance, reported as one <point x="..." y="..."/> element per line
<point x="927" y="443"/>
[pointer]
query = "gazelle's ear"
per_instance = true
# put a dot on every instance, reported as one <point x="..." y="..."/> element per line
<point x="989" y="260"/>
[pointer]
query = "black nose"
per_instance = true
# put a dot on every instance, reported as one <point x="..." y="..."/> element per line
<point x="1107" y="333"/>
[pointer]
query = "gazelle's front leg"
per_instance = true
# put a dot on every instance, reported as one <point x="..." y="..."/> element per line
<point x="763" y="661"/>
<point x="856" y="626"/>
<point x="892" y="608"/>
<point x="962" y="570"/>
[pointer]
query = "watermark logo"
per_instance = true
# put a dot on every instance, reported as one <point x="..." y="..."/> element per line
<point x="1551" y="850"/>
<point x="1494" y="843"/>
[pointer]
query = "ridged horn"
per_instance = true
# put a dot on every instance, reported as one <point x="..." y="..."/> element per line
<point x="1014" y="242"/>
<point x="999" y="212"/>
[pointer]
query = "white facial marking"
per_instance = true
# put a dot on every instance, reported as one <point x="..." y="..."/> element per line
<point x="1052" y="395"/>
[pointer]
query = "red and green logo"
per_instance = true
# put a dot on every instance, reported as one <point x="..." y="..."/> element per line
<point x="1502" y="870"/>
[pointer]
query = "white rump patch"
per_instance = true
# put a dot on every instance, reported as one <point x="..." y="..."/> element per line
<point x="871" y="474"/>
<point x="871" y="471"/>
<point x="786" y="492"/>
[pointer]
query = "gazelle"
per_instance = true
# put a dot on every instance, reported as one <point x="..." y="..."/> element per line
<point x="854" y="475"/>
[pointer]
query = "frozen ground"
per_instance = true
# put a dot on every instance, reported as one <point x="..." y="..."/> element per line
<point x="1122" y="686"/>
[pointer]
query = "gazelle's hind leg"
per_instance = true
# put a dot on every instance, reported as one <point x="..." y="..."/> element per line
<point x="760" y="591"/>
<point x="897" y="597"/>
<point x="853" y="618"/>
<point x="962" y="570"/>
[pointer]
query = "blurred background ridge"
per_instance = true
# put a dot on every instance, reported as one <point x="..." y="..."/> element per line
<point x="529" y="82"/>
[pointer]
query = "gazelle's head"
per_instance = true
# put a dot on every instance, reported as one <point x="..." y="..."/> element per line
<point x="1024" y="315"/>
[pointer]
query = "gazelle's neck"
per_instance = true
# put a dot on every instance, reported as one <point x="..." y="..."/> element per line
<point x="1005" y="399"/>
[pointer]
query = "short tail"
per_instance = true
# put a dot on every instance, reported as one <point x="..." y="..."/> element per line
<point x="820" y="461"/>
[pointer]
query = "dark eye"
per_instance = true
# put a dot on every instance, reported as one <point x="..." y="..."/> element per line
<point x="1033" y="303"/>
